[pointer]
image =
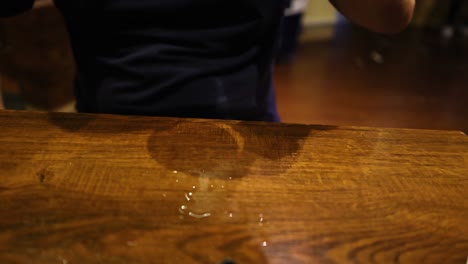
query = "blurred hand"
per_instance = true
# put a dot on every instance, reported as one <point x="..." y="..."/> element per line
<point x="385" y="16"/>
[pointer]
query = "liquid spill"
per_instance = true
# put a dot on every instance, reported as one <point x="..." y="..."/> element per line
<point x="131" y="244"/>
<point x="63" y="261"/>
<point x="182" y="211"/>
<point x="199" y="194"/>
<point x="199" y="215"/>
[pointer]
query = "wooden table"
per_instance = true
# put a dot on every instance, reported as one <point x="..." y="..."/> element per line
<point x="110" y="189"/>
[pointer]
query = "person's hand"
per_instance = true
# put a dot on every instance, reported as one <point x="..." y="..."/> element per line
<point x="385" y="16"/>
<point x="43" y="3"/>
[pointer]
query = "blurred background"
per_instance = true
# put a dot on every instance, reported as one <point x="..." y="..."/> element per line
<point x="328" y="71"/>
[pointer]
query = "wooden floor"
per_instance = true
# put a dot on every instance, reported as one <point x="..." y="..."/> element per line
<point x="413" y="80"/>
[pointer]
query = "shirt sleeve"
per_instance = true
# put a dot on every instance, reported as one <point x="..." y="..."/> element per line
<point x="10" y="8"/>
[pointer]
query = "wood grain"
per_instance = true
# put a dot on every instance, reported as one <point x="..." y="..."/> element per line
<point x="112" y="189"/>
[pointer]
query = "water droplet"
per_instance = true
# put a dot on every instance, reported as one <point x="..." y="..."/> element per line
<point x="190" y="194"/>
<point x="222" y="186"/>
<point x="199" y="215"/>
<point x="230" y="178"/>
<point x="131" y="244"/>
<point x="230" y="215"/>
<point x="175" y="172"/>
<point x="194" y="187"/>
<point x="260" y="221"/>
<point x="183" y="207"/>
<point x="177" y="180"/>
<point x="164" y="195"/>
<point x="264" y="244"/>
<point x="64" y="261"/>
<point x="211" y="186"/>
<point x="187" y="197"/>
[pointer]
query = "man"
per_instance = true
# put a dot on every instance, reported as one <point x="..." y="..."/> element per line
<point x="187" y="58"/>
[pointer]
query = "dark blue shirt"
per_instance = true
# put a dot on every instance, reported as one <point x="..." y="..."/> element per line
<point x="184" y="58"/>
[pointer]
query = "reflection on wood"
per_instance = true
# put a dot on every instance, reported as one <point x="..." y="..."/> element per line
<point x="112" y="189"/>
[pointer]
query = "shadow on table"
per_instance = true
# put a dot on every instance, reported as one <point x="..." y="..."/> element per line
<point x="219" y="149"/>
<point x="226" y="150"/>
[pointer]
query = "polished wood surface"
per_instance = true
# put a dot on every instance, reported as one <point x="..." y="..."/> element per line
<point x="80" y="188"/>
